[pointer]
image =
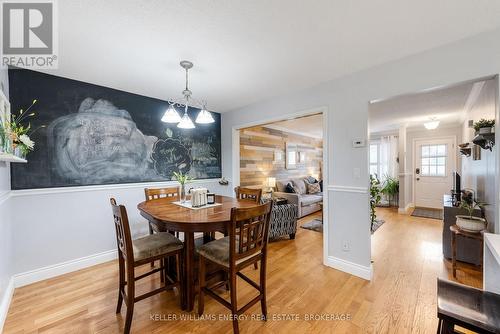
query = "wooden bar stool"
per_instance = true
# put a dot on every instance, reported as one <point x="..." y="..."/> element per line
<point x="456" y="231"/>
<point x="248" y="194"/>
<point x="134" y="253"/>
<point x="467" y="307"/>
<point x="245" y="245"/>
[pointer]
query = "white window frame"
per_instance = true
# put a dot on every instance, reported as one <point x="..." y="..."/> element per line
<point x="436" y="156"/>
<point x="377" y="143"/>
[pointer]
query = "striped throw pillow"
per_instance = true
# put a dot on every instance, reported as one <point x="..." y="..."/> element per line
<point x="313" y="188"/>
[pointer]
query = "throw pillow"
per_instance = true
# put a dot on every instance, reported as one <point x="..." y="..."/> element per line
<point x="313" y="188"/>
<point x="289" y="188"/>
<point x="311" y="180"/>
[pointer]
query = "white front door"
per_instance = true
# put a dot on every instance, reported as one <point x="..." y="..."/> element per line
<point x="435" y="162"/>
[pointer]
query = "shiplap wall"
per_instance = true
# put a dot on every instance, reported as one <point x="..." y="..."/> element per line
<point x="257" y="155"/>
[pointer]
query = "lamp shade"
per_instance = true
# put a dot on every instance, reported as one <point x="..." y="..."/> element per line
<point x="204" y="117"/>
<point x="171" y="115"/>
<point x="186" y="122"/>
<point x="271" y="182"/>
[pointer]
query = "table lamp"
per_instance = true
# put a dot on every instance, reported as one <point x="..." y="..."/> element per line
<point x="270" y="184"/>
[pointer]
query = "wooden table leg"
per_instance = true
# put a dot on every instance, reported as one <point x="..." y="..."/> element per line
<point x="189" y="269"/>
<point x="454" y="254"/>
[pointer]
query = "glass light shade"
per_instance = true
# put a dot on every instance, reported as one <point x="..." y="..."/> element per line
<point x="171" y="115"/>
<point x="204" y="117"/>
<point x="431" y="125"/>
<point x="186" y="122"/>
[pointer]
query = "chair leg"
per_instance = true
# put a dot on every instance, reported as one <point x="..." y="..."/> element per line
<point x="162" y="272"/>
<point x="263" y="301"/>
<point x="130" y="300"/>
<point x="255" y="265"/>
<point x="201" y="280"/>
<point x="121" y="283"/>
<point x="292" y="236"/>
<point x="439" y="326"/>
<point x="151" y="232"/>
<point x="179" y="277"/>
<point x="234" y="303"/>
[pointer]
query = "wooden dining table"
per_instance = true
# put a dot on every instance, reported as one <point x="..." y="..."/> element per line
<point x="168" y="216"/>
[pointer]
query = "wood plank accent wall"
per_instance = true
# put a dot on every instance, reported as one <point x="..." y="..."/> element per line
<point x="257" y="155"/>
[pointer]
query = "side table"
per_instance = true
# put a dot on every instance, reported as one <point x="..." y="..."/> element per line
<point x="455" y="230"/>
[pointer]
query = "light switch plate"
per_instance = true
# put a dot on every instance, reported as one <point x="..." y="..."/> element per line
<point x="358" y="143"/>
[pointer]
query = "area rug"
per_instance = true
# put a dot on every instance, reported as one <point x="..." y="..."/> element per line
<point x="376" y="224"/>
<point x="314" y="225"/>
<point x="428" y="213"/>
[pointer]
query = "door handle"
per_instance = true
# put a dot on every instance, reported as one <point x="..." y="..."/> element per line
<point x="418" y="179"/>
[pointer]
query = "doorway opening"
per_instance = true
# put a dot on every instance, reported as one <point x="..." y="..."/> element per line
<point x="286" y="158"/>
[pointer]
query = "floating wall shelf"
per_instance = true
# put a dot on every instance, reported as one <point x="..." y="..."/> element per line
<point x="11" y="158"/>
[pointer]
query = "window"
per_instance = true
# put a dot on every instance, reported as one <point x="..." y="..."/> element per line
<point x="375" y="159"/>
<point x="433" y="160"/>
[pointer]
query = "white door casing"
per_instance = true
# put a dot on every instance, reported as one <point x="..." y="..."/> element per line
<point x="433" y="167"/>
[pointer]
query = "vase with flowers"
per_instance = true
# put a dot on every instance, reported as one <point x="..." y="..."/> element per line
<point x="19" y="130"/>
<point x="183" y="179"/>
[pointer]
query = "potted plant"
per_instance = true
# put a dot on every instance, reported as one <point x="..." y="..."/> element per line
<point x="390" y="188"/>
<point x="374" y="198"/>
<point x="183" y="179"/>
<point x="469" y="223"/>
<point x="484" y="126"/>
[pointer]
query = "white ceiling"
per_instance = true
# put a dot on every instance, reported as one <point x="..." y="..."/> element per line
<point x="246" y="51"/>
<point x="448" y="105"/>
<point x="311" y="126"/>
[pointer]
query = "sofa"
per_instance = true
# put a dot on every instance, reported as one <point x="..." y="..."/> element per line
<point x="306" y="203"/>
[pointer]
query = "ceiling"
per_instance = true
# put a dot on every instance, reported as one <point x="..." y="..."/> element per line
<point x="246" y="51"/>
<point x="448" y="105"/>
<point x="311" y="126"/>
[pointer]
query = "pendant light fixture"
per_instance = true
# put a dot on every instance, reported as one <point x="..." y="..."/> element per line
<point x="432" y="124"/>
<point x="172" y="115"/>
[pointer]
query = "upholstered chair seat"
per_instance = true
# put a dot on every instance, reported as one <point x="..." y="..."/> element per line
<point x="218" y="251"/>
<point x="155" y="245"/>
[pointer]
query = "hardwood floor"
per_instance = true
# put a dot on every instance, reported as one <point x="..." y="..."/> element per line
<point x="401" y="298"/>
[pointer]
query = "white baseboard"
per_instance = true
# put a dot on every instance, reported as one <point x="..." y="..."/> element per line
<point x="5" y="302"/>
<point x="41" y="274"/>
<point x="406" y="209"/>
<point x="350" y="267"/>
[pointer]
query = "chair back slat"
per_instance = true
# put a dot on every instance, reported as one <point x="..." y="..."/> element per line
<point x="122" y="229"/>
<point x="248" y="194"/>
<point x="167" y="192"/>
<point x="248" y="231"/>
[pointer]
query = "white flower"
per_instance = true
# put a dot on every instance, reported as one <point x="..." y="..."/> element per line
<point x="27" y="141"/>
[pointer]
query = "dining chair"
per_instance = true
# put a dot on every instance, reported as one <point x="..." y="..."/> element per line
<point x="248" y="194"/>
<point x="135" y="253"/>
<point x="245" y="245"/>
<point x="252" y="195"/>
<point x="156" y="193"/>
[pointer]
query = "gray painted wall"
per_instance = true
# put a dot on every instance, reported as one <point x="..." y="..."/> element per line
<point x="347" y="101"/>
<point x="479" y="175"/>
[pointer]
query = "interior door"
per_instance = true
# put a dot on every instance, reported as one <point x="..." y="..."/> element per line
<point x="435" y="161"/>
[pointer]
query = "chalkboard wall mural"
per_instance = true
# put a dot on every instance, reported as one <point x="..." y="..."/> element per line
<point x="97" y="135"/>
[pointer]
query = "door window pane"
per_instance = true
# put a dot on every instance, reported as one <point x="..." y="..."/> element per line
<point x="433" y="160"/>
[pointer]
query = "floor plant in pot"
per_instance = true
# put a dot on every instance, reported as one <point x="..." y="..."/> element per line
<point x="468" y="222"/>
<point x="375" y="198"/>
<point x="390" y="188"/>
